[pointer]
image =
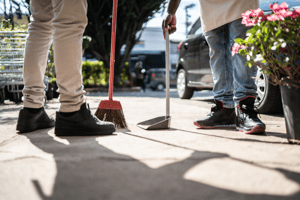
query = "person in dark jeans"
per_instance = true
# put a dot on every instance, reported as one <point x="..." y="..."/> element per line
<point x="235" y="88"/>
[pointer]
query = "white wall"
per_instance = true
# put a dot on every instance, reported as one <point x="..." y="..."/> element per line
<point x="153" y="40"/>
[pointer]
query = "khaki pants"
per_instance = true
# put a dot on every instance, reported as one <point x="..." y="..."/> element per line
<point x="61" y="22"/>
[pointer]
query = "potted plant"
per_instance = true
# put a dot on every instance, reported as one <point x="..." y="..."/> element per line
<point x="273" y="44"/>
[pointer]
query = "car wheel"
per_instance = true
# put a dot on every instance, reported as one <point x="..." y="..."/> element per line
<point x="269" y="97"/>
<point x="160" y="86"/>
<point x="17" y="97"/>
<point x="184" y="92"/>
<point x="2" y="95"/>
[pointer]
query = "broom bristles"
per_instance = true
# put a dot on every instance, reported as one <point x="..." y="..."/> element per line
<point x="112" y="115"/>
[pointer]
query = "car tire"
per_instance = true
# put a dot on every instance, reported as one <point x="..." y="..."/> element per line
<point x="160" y="86"/>
<point x="2" y="95"/>
<point x="17" y="97"/>
<point x="269" y="98"/>
<point x="184" y="92"/>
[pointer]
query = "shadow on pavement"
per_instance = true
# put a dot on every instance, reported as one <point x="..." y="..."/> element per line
<point x="4" y="119"/>
<point x="88" y="170"/>
<point x="9" y="109"/>
<point x="8" y="120"/>
<point x="279" y="135"/>
<point x="243" y="139"/>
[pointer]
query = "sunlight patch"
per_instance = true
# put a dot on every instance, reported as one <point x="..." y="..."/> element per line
<point x="153" y="154"/>
<point x="241" y="177"/>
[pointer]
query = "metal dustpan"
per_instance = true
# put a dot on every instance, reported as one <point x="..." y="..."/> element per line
<point x="162" y="122"/>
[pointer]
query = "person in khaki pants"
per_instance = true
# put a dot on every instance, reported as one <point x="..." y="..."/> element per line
<point x="61" y="22"/>
<point x="235" y="89"/>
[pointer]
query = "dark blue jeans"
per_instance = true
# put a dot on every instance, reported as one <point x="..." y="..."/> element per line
<point x="233" y="80"/>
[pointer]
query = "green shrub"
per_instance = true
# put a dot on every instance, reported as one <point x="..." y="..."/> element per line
<point x="5" y="25"/>
<point x="94" y="73"/>
<point x="124" y="73"/>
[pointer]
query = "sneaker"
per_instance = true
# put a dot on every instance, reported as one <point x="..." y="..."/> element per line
<point x="246" y="117"/>
<point x="81" y="123"/>
<point x="28" y="122"/>
<point x="219" y="117"/>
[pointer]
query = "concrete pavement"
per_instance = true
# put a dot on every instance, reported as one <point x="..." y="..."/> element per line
<point x="181" y="163"/>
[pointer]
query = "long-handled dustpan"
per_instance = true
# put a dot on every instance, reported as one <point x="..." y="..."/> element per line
<point x="162" y="122"/>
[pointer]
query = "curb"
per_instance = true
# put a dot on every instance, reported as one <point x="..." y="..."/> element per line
<point x="125" y="89"/>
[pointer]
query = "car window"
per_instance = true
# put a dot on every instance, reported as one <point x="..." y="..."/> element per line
<point x="199" y="31"/>
<point x="264" y="4"/>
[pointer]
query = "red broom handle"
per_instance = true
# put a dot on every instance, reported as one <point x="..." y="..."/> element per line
<point x="112" y="49"/>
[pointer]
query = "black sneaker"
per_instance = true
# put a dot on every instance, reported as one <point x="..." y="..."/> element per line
<point x="81" y="123"/>
<point x="219" y="117"/>
<point x="246" y="117"/>
<point x="28" y="122"/>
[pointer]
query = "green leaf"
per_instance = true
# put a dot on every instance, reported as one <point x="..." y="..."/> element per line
<point x="278" y="33"/>
<point x="239" y="40"/>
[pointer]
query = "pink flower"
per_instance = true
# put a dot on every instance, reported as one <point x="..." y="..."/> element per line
<point x="272" y="18"/>
<point x="258" y="13"/>
<point x="277" y="8"/>
<point x="247" y="13"/>
<point x="252" y="17"/>
<point x="281" y="11"/>
<point x="284" y="13"/>
<point x="274" y="6"/>
<point x="248" y="22"/>
<point x="296" y="13"/>
<point x="246" y="18"/>
<point x="285" y="6"/>
<point x="236" y="47"/>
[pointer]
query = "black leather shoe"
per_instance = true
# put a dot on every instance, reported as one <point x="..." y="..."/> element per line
<point x="246" y="117"/>
<point x="28" y="122"/>
<point x="82" y="123"/>
<point x="219" y="117"/>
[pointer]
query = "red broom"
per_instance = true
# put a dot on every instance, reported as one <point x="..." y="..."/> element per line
<point x="110" y="110"/>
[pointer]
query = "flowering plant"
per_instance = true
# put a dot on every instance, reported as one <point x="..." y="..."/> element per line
<point x="273" y="42"/>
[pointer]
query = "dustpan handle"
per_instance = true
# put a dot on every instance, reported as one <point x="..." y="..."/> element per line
<point x="167" y="74"/>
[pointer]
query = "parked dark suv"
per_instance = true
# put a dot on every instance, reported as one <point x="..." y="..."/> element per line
<point x="194" y="73"/>
<point x="157" y="78"/>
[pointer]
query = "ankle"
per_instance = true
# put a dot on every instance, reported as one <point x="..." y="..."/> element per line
<point x="68" y="114"/>
<point x="33" y="110"/>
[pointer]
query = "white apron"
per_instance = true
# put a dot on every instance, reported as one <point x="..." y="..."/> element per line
<point x="215" y="13"/>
